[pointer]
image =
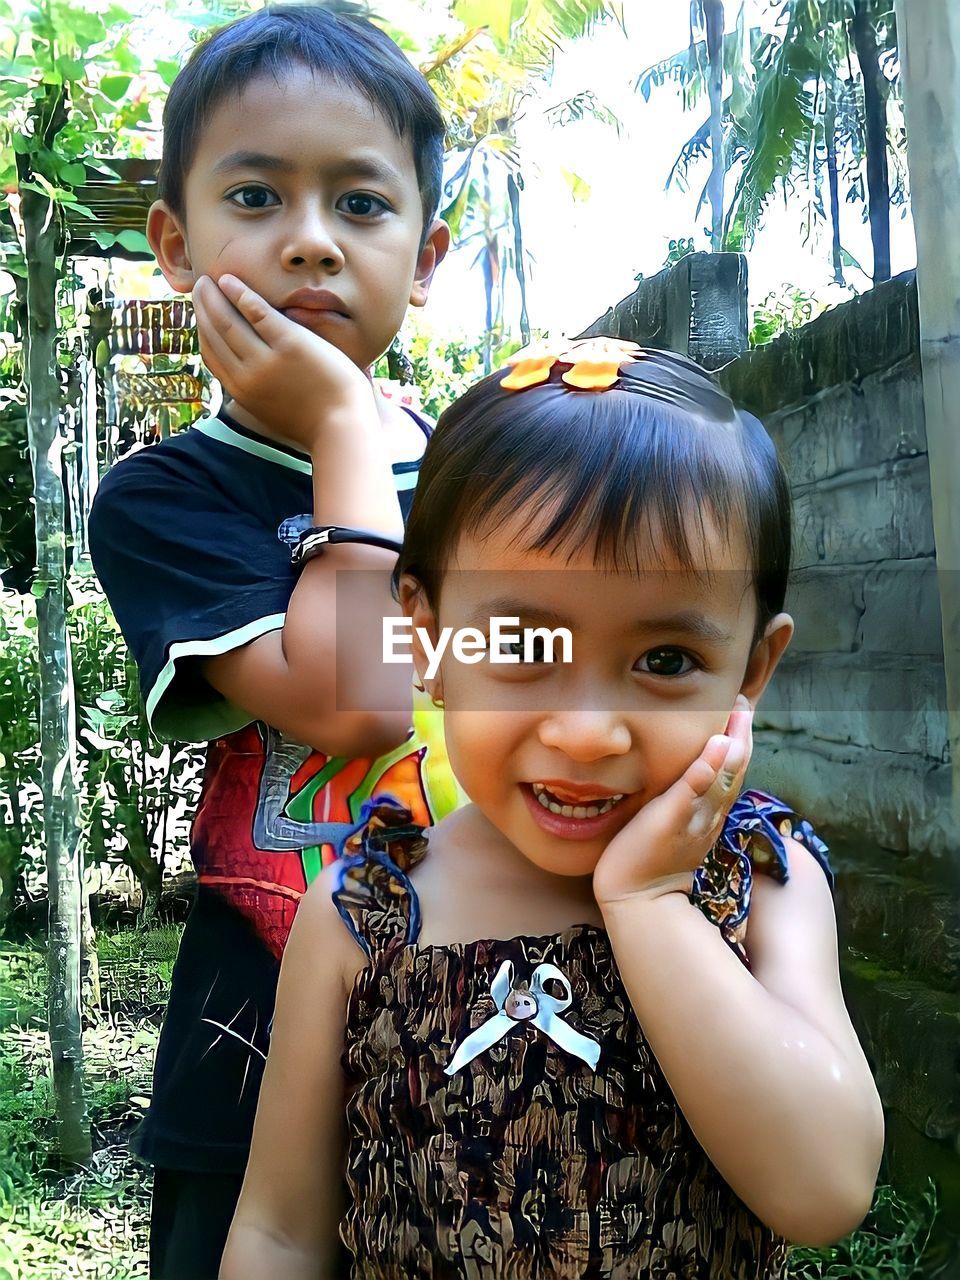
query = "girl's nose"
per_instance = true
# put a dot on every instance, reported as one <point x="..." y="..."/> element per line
<point x="312" y="244"/>
<point x="586" y="735"/>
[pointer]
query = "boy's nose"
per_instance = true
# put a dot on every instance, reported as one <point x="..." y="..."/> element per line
<point x="312" y="244"/>
<point x="586" y="735"/>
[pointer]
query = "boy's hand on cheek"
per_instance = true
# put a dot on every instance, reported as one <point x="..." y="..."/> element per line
<point x="658" y="851"/>
<point x="290" y="379"/>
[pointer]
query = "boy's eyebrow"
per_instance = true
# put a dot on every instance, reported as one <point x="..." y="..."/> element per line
<point x="253" y="160"/>
<point x="364" y="167"/>
<point x="350" y="166"/>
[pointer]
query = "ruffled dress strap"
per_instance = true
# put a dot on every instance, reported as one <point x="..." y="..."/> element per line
<point x="373" y="893"/>
<point x="751" y="841"/>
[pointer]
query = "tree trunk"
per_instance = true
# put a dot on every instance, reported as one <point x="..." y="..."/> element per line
<point x="513" y="194"/>
<point x="713" y="21"/>
<point x="875" y="132"/>
<point x="833" y="180"/>
<point x="57" y="743"/>
<point x="929" y="42"/>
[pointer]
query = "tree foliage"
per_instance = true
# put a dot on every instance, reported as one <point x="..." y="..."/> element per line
<point x="794" y="117"/>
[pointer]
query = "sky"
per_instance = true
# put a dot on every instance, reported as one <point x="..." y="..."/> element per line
<point x="584" y="255"/>
<point x="587" y="254"/>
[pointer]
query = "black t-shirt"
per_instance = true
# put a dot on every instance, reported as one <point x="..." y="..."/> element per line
<point x="191" y="541"/>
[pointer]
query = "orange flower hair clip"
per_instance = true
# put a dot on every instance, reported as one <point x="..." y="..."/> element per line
<point x="595" y="362"/>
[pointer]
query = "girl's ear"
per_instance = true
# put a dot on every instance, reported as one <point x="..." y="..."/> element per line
<point x="766" y="654"/>
<point x="415" y="606"/>
<point x="168" y="240"/>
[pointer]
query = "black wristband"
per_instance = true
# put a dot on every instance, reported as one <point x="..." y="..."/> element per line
<point x="314" y="541"/>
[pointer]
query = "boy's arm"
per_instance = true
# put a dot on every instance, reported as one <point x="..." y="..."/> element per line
<point x="320" y="680"/>
<point x="285" y="1226"/>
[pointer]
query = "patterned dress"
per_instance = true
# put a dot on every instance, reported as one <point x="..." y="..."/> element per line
<point x="526" y="1163"/>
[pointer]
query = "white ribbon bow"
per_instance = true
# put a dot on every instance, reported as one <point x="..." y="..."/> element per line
<point x="544" y="1015"/>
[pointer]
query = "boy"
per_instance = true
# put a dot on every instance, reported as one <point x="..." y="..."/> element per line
<point x="299" y="183"/>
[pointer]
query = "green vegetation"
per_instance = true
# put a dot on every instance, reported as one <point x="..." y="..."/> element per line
<point x="91" y="1224"/>
<point x="893" y="1244"/>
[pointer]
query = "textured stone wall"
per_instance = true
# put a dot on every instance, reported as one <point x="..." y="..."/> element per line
<point x="853" y="729"/>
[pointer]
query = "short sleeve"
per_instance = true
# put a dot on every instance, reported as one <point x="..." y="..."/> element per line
<point x="752" y="842"/>
<point x="373" y="893"/>
<point x="185" y="543"/>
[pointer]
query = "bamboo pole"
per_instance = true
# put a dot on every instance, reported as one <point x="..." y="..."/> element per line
<point x="929" y="45"/>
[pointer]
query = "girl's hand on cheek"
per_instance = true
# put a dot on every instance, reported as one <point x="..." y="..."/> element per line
<point x="290" y="379"/>
<point x="659" y="849"/>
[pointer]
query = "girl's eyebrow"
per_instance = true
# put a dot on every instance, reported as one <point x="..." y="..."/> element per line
<point x="508" y="607"/>
<point x="688" y="622"/>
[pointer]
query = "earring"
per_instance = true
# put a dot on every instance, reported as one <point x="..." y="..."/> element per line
<point x="437" y="702"/>
<point x="418" y="685"/>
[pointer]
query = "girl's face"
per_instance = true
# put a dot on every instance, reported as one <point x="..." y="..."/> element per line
<point x="560" y="756"/>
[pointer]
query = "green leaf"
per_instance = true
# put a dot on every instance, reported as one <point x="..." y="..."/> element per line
<point x="114" y="87"/>
<point x="135" y="241"/>
<point x="580" y="189"/>
<point x="80" y="210"/>
<point x="71" y="69"/>
<point x="495" y="15"/>
<point x="167" y="70"/>
<point x="74" y="174"/>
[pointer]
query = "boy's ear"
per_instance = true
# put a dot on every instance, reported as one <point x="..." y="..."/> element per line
<point x="168" y="240"/>
<point x="766" y="654"/>
<point x="413" y="602"/>
<point x="435" y="246"/>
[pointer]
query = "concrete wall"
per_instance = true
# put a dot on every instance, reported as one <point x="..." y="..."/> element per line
<point x="853" y="729"/>
<point x="855" y="725"/>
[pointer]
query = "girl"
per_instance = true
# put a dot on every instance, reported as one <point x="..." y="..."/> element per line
<point x="545" y="1038"/>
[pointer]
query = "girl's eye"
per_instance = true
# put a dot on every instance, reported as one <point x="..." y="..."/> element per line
<point x="536" y="652"/>
<point x="361" y="204"/>
<point x="667" y="661"/>
<point x="253" y="197"/>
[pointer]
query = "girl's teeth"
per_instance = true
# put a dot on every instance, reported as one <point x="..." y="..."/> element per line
<point x="573" y="811"/>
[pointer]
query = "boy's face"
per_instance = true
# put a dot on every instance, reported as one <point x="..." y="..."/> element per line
<point x="303" y="190"/>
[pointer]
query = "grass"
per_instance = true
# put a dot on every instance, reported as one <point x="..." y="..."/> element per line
<point x="92" y="1224"/>
<point x="89" y="1224"/>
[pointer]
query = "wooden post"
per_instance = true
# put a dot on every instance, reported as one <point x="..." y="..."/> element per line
<point x="929" y="44"/>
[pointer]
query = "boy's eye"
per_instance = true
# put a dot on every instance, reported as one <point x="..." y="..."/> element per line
<point x="253" y="197"/>
<point x="362" y="204"/>
<point x="667" y="661"/>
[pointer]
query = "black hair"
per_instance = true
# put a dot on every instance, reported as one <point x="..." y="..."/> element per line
<point x="660" y="449"/>
<point x="344" y="47"/>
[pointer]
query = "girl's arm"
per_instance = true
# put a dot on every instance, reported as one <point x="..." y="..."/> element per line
<point x="285" y="1227"/>
<point x="764" y="1064"/>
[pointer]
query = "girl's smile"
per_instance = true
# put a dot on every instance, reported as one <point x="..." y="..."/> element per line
<point x="559" y="756"/>
<point x="557" y="812"/>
